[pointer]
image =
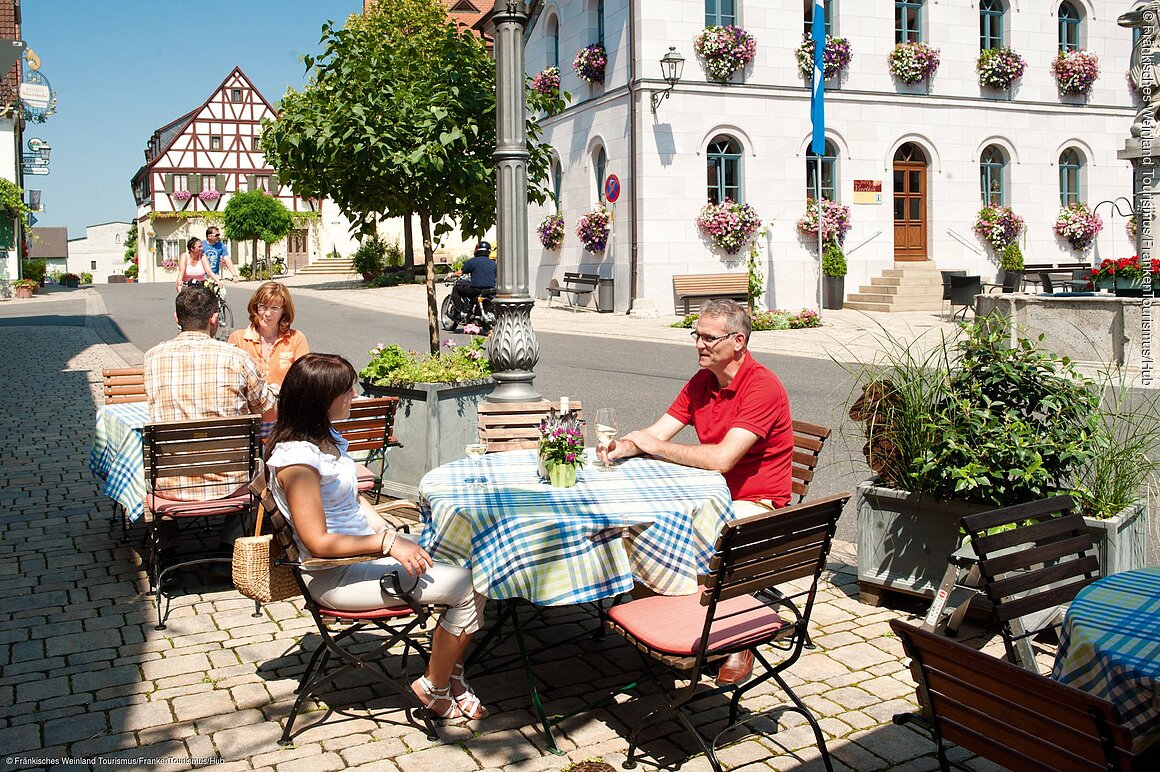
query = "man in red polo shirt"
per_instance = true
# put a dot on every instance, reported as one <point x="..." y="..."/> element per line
<point x="740" y="412"/>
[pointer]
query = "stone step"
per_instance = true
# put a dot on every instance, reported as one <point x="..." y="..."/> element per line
<point x="329" y="265"/>
<point x="930" y="285"/>
<point x="901" y="292"/>
<point x="862" y="305"/>
<point x="914" y="273"/>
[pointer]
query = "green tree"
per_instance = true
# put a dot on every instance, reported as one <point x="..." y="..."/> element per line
<point x="131" y="252"/>
<point x="399" y="120"/>
<point x="257" y="216"/>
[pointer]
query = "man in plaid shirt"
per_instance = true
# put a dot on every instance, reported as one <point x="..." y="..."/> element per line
<point x="194" y="376"/>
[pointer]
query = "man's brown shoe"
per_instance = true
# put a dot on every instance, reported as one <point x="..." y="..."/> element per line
<point x="736" y="669"/>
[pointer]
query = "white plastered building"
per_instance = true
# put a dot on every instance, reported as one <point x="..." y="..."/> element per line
<point x="101" y="251"/>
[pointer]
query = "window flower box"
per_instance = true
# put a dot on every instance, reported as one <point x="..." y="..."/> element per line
<point x="209" y="196"/>
<point x="593" y="228"/>
<point x="835" y="221"/>
<point x="590" y="62"/>
<point x="182" y="195"/>
<point x="547" y="82"/>
<point x="836" y="58"/>
<point x="999" y="68"/>
<point x="1075" y="72"/>
<point x="998" y="226"/>
<point x="1078" y="225"/>
<point x="551" y="231"/>
<point x="729" y="225"/>
<point x="913" y="62"/>
<point x="725" y="50"/>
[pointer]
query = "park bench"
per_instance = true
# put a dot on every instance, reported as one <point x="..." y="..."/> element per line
<point x="576" y="286"/>
<point x="708" y="286"/>
<point x="1045" y="274"/>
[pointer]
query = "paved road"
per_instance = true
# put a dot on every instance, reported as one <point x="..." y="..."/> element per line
<point x="638" y="378"/>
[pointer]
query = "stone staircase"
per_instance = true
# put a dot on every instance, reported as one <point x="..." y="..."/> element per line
<point x="905" y="287"/>
<point x="328" y="265"/>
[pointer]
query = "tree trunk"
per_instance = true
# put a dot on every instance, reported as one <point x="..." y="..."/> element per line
<point x="429" y="262"/>
<point x="257" y="273"/>
<point x="409" y="247"/>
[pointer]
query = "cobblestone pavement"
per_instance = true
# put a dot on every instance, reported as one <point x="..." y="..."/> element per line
<point x="85" y="676"/>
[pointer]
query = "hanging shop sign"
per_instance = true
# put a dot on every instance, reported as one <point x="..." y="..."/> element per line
<point x="37" y="96"/>
<point x="867" y="191"/>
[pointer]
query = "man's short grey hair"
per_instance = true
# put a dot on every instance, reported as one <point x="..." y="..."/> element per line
<point x="735" y="316"/>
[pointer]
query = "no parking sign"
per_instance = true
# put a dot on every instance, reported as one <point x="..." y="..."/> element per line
<point x="611" y="189"/>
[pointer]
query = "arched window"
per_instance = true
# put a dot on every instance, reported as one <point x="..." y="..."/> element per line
<point x="991" y="24"/>
<point x="600" y="168"/>
<point x="829" y="169"/>
<point x="1070" y="167"/>
<point x="554" y="42"/>
<point x="724" y="166"/>
<point x="992" y="173"/>
<point x="600" y="22"/>
<point x="117" y="238"/>
<point x="907" y="20"/>
<point x="557" y="182"/>
<point x="808" y="11"/>
<point x="1068" y="27"/>
<point x="720" y="13"/>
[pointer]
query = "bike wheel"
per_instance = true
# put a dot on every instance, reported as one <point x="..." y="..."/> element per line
<point x="447" y="317"/>
<point x="225" y="322"/>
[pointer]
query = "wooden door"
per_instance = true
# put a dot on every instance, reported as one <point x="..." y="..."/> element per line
<point x="909" y="210"/>
<point x="296" y="249"/>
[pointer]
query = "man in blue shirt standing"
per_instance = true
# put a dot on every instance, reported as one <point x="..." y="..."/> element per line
<point x="481" y="270"/>
<point x="217" y="253"/>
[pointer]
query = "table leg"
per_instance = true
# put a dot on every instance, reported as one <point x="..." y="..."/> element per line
<point x="532" y="688"/>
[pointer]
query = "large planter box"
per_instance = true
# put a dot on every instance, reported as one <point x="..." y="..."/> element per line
<point x="433" y="423"/>
<point x="904" y="540"/>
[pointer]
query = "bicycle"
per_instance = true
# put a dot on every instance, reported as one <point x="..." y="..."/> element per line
<point x="225" y="315"/>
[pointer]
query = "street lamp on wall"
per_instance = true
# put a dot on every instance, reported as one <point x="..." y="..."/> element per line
<point x="672" y="64"/>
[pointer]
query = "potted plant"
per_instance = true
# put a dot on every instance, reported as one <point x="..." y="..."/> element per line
<point x="590" y="62"/>
<point x="998" y="226"/>
<point x="168" y="264"/>
<point x="979" y="423"/>
<point x="835" y="219"/>
<point x="999" y="68"/>
<point x="834" y="271"/>
<point x="551" y="231"/>
<point x="729" y="225"/>
<point x="370" y="259"/>
<point x="725" y="50"/>
<point x="1125" y="276"/>
<point x="913" y="62"/>
<point x="1075" y="71"/>
<point x="25" y="288"/>
<point x="547" y="82"/>
<point x="1078" y="225"/>
<point x="593" y="228"/>
<point x="561" y="449"/>
<point x="1011" y="262"/>
<point x="835" y="58"/>
<point x="438" y="395"/>
<point x="86" y="277"/>
<point x="70" y="280"/>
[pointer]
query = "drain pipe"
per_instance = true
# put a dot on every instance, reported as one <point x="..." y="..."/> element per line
<point x="633" y="170"/>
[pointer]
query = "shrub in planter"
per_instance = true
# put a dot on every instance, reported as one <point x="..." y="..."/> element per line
<point x="998" y="226"/>
<point x="725" y="50"/>
<point x="551" y="231"/>
<point x="25" y="287"/>
<point x="913" y="62"/>
<point x="835" y="221"/>
<point x="1000" y="67"/>
<point x="764" y="321"/>
<point x="34" y="269"/>
<point x="86" y="277"/>
<point x="370" y="259"/>
<point x="833" y="260"/>
<point x="1011" y="258"/>
<point x="1075" y="71"/>
<point x="590" y="62"/>
<point x="1079" y="225"/>
<point x="593" y="228"/>
<point x="729" y="225"/>
<point x="835" y="58"/>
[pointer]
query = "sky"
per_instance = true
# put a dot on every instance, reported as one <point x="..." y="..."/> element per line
<point x="121" y="69"/>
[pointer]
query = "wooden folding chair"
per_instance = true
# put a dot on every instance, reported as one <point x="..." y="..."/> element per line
<point x="515" y="425"/>
<point x="399" y="624"/>
<point x="745" y="604"/>
<point x="195" y="470"/>
<point x="1017" y="719"/>
<point x="370" y="428"/>
<point x="808" y="441"/>
<point x="125" y="384"/>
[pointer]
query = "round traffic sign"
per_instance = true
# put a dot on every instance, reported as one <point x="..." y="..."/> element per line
<point x="611" y="189"/>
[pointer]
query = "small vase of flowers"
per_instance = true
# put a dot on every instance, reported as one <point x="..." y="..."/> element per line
<point x="1075" y="71"/>
<point x="551" y="231"/>
<point x="835" y="58"/>
<point x="1079" y="225"/>
<point x="725" y="50"/>
<point x="589" y="63"/>
<point x="999" y="68"/>
<point x="561" y="451"/>
<point x="729" y="225"/>
<point x="593" y="228"/>
<point x="913" y="62"/>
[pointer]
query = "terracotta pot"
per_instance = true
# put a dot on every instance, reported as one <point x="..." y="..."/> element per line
<point x="25" y="292"/>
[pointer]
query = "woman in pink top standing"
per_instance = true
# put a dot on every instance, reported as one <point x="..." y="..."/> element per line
<point x="193" y="266"/>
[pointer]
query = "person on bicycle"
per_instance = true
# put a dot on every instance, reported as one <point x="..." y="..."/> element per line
<point x="194" y="267"/>
<point x="217" y="253"/>
<point x="479" y="274"/>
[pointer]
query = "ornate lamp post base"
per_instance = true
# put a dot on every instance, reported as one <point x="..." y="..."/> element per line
<point x="513" y="350"/>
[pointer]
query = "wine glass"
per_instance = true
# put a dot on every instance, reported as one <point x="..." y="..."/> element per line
<point x="606" y="432"/>
<point x="475" y="447"/>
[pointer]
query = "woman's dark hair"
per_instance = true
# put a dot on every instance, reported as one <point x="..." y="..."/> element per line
<point x="310" y="387"/>
<point x="190" y="242"/>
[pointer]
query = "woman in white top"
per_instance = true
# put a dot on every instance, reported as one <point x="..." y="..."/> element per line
<point x="315" y="484"/>
<point x="193" y="266"/>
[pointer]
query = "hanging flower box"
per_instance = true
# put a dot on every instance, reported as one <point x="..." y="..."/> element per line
<point x="835" y="221"/>
<point x="209" y="196"/>
<point x="551" y="231"/>
<point x="913" y="62"/>
<point x="1000" y="67"/>
<point x="835" y="58"/>
<point x="1075" y="71"/>
<point x="729" y="225"/>
<point x="1079" y="225"/>
<point x="547" y="82"/>
<point x="1130" y="228"/>
<point x="998" y="226"/>
<point x="593" y="228"/>
<point x="725" y="50"/>
<point x="590" y="62"/>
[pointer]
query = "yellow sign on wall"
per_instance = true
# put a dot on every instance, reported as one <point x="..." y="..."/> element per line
<point x="867" y="191"/>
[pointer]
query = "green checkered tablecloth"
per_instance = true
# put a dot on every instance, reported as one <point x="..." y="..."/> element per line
<point x="647" y="520"/>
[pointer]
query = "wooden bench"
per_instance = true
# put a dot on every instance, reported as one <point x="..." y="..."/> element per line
<point x="1042" y="273"/>
<point x="710" y="286"/>
<point x="125" y="384"/>
<point x="576" y="285"/>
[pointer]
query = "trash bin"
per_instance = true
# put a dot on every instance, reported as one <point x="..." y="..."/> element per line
<point x="606" y="296"/>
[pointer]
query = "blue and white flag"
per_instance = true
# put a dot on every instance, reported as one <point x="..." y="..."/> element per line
<point x="818" y="97"/>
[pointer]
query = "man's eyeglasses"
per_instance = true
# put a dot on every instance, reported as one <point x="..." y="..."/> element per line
<point x="708" y="340"/>
<point x="264" y="308"/>
<point x="210" y="234"/>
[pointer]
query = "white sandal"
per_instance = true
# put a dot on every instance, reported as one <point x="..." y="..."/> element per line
<point x="467" y="700"/>
<point x="434" y="695"/>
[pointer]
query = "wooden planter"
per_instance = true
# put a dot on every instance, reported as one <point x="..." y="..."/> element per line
<point x="433" y="423"/>
<point x="904" y="540"/>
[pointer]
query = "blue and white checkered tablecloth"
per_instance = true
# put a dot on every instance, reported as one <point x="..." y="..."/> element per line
<point x="647" y="521"/>
<point x="116" y="455"/>
<point x="1109" y="645"/>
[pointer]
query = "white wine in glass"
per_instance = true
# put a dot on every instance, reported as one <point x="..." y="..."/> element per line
<point x="606" y="431"/>
<point x="475" y="450"/>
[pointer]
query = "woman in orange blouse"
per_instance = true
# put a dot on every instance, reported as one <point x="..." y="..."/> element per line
<point x="269" y="340"/>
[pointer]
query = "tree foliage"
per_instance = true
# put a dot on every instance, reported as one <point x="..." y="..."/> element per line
<point x="256" y="216"/>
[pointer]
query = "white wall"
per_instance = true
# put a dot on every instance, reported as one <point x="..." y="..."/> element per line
<point x="103" y="244"/>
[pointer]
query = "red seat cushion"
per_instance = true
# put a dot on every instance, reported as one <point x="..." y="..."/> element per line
<point x="366" y="478"/>
<point x="672" y="624"/>
<point x="235" y="502"/>
<point x="377" y="613"/>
